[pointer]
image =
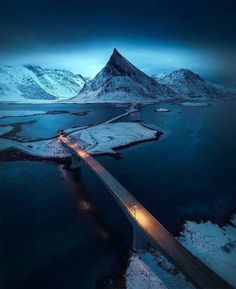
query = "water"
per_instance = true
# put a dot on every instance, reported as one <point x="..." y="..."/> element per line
<point x="62" y="229"/>
<point x="47" y="125"/>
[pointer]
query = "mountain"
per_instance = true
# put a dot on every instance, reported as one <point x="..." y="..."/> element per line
<point x="120" y="80"/>
<point x="190" y="85"/>
<point x="31" y="82"/>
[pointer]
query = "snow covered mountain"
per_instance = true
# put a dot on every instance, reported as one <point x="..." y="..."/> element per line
<point x="190" y="85"/>
<point x="33" y="83"/>
<point x="120" y="80"/>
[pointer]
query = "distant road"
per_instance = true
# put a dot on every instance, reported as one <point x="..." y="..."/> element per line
<point x="132" y="109"/>
<point x="195" y="270"/>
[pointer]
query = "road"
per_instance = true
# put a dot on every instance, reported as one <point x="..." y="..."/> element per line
<point x="196" y="271"/>
<point x="132" y="109"/>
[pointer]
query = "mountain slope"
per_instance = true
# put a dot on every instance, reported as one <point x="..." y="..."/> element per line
<point x="120" y="80"/>
<point x="30" y="82"/>
<point x="190" y="85"/>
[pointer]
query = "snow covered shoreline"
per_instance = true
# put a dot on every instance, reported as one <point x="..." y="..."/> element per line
<point x="25" y="113"/>
<point x="194" y="104"/>
<point x="101" y="139"/>
<point x="214" y="245"/>
<point x="20" y="113"/>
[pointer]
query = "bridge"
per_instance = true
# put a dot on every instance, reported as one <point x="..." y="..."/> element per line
<point x="147" y="230"/>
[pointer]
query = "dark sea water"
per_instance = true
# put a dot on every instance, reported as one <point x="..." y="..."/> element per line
<point x="62" y="229"/>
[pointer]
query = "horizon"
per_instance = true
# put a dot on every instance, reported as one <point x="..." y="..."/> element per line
<point x="151" y="70"/>
<point x="157" y="37"/>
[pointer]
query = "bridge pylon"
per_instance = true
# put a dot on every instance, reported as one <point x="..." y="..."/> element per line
<point x="75" y="162"/>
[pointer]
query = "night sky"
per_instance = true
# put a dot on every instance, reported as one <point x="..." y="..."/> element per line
<point x="157" y="36"/>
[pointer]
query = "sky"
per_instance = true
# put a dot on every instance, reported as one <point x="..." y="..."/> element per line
<point x="156" y="36"/>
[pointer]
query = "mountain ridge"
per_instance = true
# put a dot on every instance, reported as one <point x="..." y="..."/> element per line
<point x="191" y="85"/>
<point x="32" y="82"/>
<point x="119" y="80"/>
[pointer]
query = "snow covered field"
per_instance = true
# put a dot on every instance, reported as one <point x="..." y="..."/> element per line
<point x="194" y="104"/>
<point x="17" y="113"/>
<point x="214" y="245"/>
<point x="148" y="271"/>
<point x="105" y="137"/>
<point x="99" y="139"/>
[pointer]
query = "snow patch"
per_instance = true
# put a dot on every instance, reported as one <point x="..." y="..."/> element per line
<point x="17" y="113"/>
<point x="194" y="104"/>
<point x="214" y="245"/>
<point x="148" y="271"/>
<point x="162" y="109"/>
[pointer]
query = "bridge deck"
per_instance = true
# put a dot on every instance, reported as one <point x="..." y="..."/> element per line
<point x="196" y="271"/>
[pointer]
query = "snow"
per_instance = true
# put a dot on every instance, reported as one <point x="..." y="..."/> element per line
<point x="99" y="139"/>
<point x="5" y="129"/>
<point x="161" y="109"/>
<point x="214" y="245"/>
<point x="118" y="81"/>
<point x="121" y="80"/>
<point x="148" y="271"/>
<point x="140" y="276"/>
<point x="105" y="137"/>
<point x="17" y="113"/>
<point x="185" y="103"/>
<point x="34" y="84"/>
<point x="189" y="85"/>
<point x="159" y="75"/>
<point x="44" y="148"/>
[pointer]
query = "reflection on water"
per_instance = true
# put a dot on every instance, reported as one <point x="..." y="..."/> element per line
<point x="85" y="206"/>
<point x="81" y="201"/>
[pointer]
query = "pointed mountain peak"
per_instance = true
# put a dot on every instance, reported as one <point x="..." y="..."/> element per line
<point x="119" y="65"/>
<point x="115" y="52"/>
<point x="117" y="57"/>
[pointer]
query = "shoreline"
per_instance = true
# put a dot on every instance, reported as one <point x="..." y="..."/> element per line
<point x="115" y="277"/>
<point x="18" y="155"/>
<point x="124" y="263"/>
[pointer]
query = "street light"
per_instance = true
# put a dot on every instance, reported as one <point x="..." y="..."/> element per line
<point x="135" y="207"/>
<point x="60" y="132"/>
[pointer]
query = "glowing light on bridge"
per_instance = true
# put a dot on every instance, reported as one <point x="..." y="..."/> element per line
<point x="83" y="154"/>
